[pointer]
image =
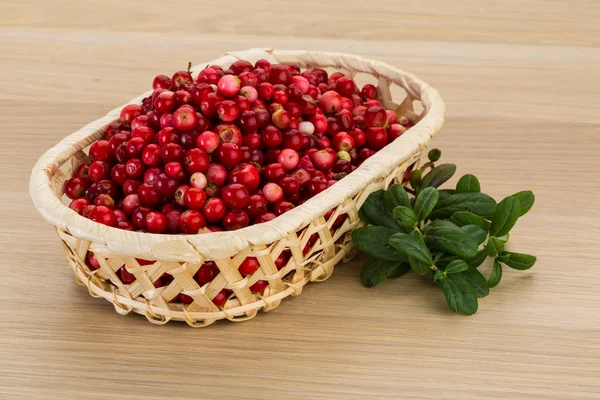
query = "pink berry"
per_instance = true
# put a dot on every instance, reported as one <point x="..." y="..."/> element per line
<point x="330" y="102"/>
<point x="395" y="131"/>
<point x="208" y="141"/>
<point x="228" y="85"/>
<point x="272" y="192"/>
<point x="288" y="158"/>
<point x="300" y="82"/>
<point x="198" y="180"/>
<point x="323" y="160"/>
<point x="217" y="173"/>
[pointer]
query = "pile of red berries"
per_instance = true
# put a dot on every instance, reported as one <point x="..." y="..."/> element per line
<point x="229" y="149"/>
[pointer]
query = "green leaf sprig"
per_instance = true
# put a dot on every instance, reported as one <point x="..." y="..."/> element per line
<point x="445" y="232"/>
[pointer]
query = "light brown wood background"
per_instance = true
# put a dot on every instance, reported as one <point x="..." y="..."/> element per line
<point x="521" y="80"/>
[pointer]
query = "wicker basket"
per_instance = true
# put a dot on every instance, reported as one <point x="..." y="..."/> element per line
<point x="182" y="255"/>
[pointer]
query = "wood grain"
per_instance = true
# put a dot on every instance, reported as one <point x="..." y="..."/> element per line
<point x="521" y="82"/>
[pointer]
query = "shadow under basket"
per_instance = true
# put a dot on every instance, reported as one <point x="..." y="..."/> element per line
<point x="180" y="256"/>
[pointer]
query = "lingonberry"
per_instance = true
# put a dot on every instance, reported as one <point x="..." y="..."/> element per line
<point x="182" y="97"/>
<point x="235" y="219"/>
<point x="229" y="85"/>
<point x="208" y="141"/>
<point x="217" y="174"/>
<point x="376" y="138"/>
<point x="198" y="180"/>
<point x="323" y="160"/>
<point x="214" y="209"/>
<point x="148" y="196"/>
<point x="220" y="298"/>
<point x="264" y="64"/>
<point x="100" y="151"/>
<point x="130" y="203"/>
<point x="365" y="153"/>
<point x="245" y="174"/>
<point x="264" y="217"/>
<point x="273" y="172"/>
<point x="395" y="131"/>
<point x="103" y="215"/>
<point x="369" y="92"/>
<point x="145" y="132"/>
<point x="288" y="158"/>
<point x="164" y="102"/>
<point x="375" y="116"/>
<point x="188" y="139"/>
<point x="280" y="97"/>
<point x="165" y="186"/>
<point x="162" y="82"/>
<point x="203" y="124"/>
<point x="293" y="139"/>
<point x="371" y="103"/>
<point x="249" y="266"/>
<point x="153" y="120"/>
<point x="265" y="91"/>
<point x="175" y="170"/>
<point x="88" y="210"/>
<point x="130" y="186"/>
<point x="359" y="136"/>
<point x="282" y="207"/>
<point x="342" y="141"/>
<point x="272" y="192"/>
<point x="194" y="198"/>
<point x="280" y="74"/>
<point x="75" y="188"/>
<point x="208" y="75"/>
<point x="229" y="155"/>
<point x="78" y="205"/>
<point x="180" y="194"/>
<point x="134" y="168"/>
<point x="151" y="175"/>
<point x="173" y="220"/>
<point x="129" y="113"/>
<point x="126" y="277"/>
<point x="166" y="120"/>
<point x="138" y="217"/>
<point x="347" y="104"/>
<point x="330" y="102"/>
<point x="230" y="133"/>
<point x="227" y="111"/>
<point x="166" y="136"/>
<point x="156" y="222"/>
<point x="185" y="119"/>
<point x="82" y="171"/>
<point x="209" y="104"/>
<point x="196" y="160"/>
<point x="104" y="200"/>
<point x="315" y="186"/>
<point x="180" y="78"/>
<point x="342" y="165"/>
<point x="171" y="152"/>
<point x="99" y="170"/>
<point x="198" y="92"/>
<point x="293" y="110"/>
<point x="345" y="86"/>
<point x="235" y="196"/>
<point x="281" y="119"/>
<point x="333" y="126"/>
<point x="256" y="206"/>
<point x="259" y="286"/>
<point x="191" y="221"/>
<point x="140" y="120"/>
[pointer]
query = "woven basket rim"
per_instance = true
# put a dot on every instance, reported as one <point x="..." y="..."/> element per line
<point x="225" y="244"/>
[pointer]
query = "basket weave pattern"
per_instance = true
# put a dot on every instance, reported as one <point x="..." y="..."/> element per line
<point x="182" y="255"/>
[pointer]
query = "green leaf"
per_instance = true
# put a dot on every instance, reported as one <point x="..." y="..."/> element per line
<point x="496" y="275"/>
<point x="439" y="275"/>
<point x="445" y="193"/>
<point x="526" y="199"/>
<point x="479" y="258"/>
<point x="419" y="267"/>
<point x="447" y="237"/>
<point x="477" y="203"/>
<point x="377" y="270"/>
<point x="504" y="238"/>
<point x="519" y="261"/>
<point x="377" y="214"/>
<point x="476" y="233"/>
<point x="459" y="295"/>
<point x="506" y="216"/>
<point x="494" y="247"/>
<point x="395" y="196"/>
<point x="373" y="240"/>
<point x="462" y="218"/>
<point x="445" y="260"/>
<point x="406" y="215"/>
<point x="502" y="257"/>
<point x="438" y="175"/>
<point x="456" y="266"/>
<point x="477" y="282"/>
<point x="468" y="184"/>
<point x="411" y="246"/>
<point x="425" y="202"/>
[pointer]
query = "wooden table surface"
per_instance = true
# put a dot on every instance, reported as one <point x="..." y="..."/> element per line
<point x="521" y="81"/>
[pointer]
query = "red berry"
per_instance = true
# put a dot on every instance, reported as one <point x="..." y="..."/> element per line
<point x="320" y="123"/>
<point x="180" y="194"/>
<point x="208" y="75"/>
<point x="75" y="188"/>
<point x="185" y="119"/>
<point x="257" y="205"/>
<point x="376" y="138"/>
<point x="151" y="175"/>
<point x="208" y="141"/>
<point x="220" y="298"/>
<point x="229" y="133"/>
<point x="134" y="168"/>
<point x="249" y="266"/>
<point x="145" y="132"/>
<point x="100" y="151"/>
<point x="217" y="173"/>
<point x="161" y="82"/>
<point x="235" y="219"/>
<point x="207" y="273"/>
<point x="209" y="104"/>
<point x="196" y="160"/>
<point x="395" y="131"/>
<point x="281" y="119"/>
<point x="147" y="195"/>
<point x="241" y="66"/>
<point x="282" y="207"/>
<point x="82" y="171"/>
<point x="280" y="74"/>
<point x="365" y="153"/>
<point x="156" y="222"/>
<point x="242" y="103"/>
<point x="194" y="198"/>
<point x="138" y="218"/>
<point x="345" y="86"/>
<point x="289" y="185"/>
<point x="104" y="200"/>
<point x="273" y="172"/>
<point x="247" y="78"/>
<point x="200" y="90"/>
<point x="171" y="152"/>
<point x="151" y="155"/>
<point x="134" y="147"/>
<point x="282" y="260"/>
<point x="235" y="196"/>
<point x="229" y="85"/>
<point x="375" y="116"/>
<point x="191" y="221"/>
<point x="288" y="158"/>
<point x="103" y="215"/>
<point x="359" y="136"/>
<point x="98" y="171"/>
<point x="272" y="192"/>
<point x="369" y="92"/>
<point x="164" y="102"/>
<point x="342" y="141"/>
<point x="180" y="78"/>
<point x="330" y="102"/>
<point x="129" y="113"/>
<point x="130" y="203"/>
<point x="228" y="111"/>
<point x="214" y="209"/>
<point x="265" y="217"/>
<point x="173" y="220"/>
<point x="259" y="286"/>
<point x="323" y="160"/>
<point x="165" y="186"/>
<point x="247" y="175"/>
<point x="182" y="97"/>
<point x="315" y="186"/>
<point x="126" y="276"/>
<point x="166" y="136"/>
<point x="293" y="139"/>
<point x="229" y="155"/>
<point x="249" y="124"/>
<point x="78" y="205"/>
